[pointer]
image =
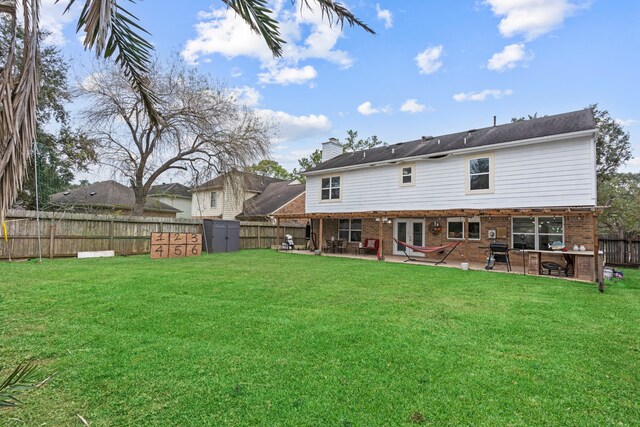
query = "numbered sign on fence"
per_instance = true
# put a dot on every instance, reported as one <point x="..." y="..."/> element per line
<point x="175" y="245"/>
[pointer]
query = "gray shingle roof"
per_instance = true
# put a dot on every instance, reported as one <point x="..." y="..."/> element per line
<point x="544" y="126"/>
<point x="106" y="194"/>
<point x="251" y="182"/>
<point x="276" y="195"/>
<point x="173" y="189"/>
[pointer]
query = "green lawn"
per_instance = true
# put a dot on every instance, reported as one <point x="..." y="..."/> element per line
<point x="261" y="338"/>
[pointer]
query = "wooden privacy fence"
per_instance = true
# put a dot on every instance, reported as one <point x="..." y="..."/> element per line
<point x="65" y="234"/>
<point x="623" y="252"/>
<point x="261" y="235"/>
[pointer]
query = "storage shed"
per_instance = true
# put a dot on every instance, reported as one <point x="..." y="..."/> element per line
<point x="220" y="236"/>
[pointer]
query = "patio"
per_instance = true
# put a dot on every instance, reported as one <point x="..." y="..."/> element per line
<point x="475" y="266"/>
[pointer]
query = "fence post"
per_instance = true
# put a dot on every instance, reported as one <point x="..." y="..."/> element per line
<point x="259" y="245"/>
<point x="111" y="243"/>
<point x="52" y="236"/>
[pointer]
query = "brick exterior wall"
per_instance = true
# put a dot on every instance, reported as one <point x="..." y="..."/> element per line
<point x="578" y="230"/>
<point x="295" y="206"/>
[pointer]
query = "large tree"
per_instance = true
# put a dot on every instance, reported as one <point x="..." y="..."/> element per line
<point x="621" y="192"/>
<point x="109" y="29"/>
<point x="613" y="147"/>
<point x="200" y="126"/>
<point x="271" y="168"/>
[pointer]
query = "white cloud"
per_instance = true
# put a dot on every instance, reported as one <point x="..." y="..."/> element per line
<point x="509" y="58"/>
<point x="626" y="122"/>
<point x="429" y="60"/>
<point x="385" y="16"/>
<point x="367" y="109"/>
<point x="224" y="33"/>
<point x="412" y="106"/>
<point x="288" y="75"/>
<point x="532" y="18"/>
<point x="236" y="72"/>
<point x="308" y="36"/>
<point x="292" y="128"/>
<point x="53" y="19"/>
<point x="481" y="96"/>
<point x="246" y="95"/>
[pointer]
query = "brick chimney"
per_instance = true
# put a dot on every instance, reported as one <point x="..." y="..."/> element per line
<point x="330" y="149"/>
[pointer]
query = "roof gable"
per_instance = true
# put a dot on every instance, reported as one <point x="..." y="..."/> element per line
<point x="275" y="196"/>
<point x="171" y="189"/>
<point x="106" y="194"/>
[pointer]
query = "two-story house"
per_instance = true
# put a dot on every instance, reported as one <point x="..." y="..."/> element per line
<point x="246" y="196"/>
<point x="527" y="183"/>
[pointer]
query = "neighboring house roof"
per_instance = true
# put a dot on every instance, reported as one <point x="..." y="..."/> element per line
<point x="106" y="194"/>
<point x="559" y="124"/>
<point x="251" y="182"/>
<point x="276" y="195"/>
<point x="173" y="189"/>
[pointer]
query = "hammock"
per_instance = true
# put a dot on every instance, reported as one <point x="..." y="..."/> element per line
<point x="427" y="250"/>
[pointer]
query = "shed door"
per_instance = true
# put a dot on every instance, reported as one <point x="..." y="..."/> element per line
<point x="233" y="236"/>
<point x="219" y="237"/>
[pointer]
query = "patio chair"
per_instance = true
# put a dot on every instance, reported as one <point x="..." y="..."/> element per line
<point x="339" y="248"/>
<point x="371" y="246"/>
<point x="330" y="246"/>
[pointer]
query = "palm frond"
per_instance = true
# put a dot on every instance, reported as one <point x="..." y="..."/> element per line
<point x="336" y="13"/>
<point x="111" y="29"/>
<point x="260" y="18"/>
<point x="18" y="102"/>
<point x="15" y="383"/>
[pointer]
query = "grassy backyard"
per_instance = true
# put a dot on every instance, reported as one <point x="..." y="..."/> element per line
<point x="261" y="338"/>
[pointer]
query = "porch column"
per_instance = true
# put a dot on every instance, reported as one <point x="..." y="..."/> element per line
<point x="596" y="250"/>
<point x="320" y="236"/>
<point x="278" y="234"/>
<point x="380" y="247"/>
<point x="466" y="238"/>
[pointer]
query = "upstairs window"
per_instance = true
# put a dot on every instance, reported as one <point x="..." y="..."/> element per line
<point x="480" y="174"/>
<point x="213" y="199"/>
<point x="330" y="188"/>
<point x="407" y="175"/>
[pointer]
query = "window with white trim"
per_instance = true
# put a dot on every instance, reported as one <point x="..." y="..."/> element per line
<point x="213" y="199"/>
<point x="455" y="228"/>
<point x="536" y="232"/>
<point x="330" y="189"/>
<point x="480" y="174"/>
<point x="407" y="175"/>
<point x="350" y="230"/>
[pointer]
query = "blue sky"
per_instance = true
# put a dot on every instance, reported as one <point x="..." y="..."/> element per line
<point x="433" y="68"/>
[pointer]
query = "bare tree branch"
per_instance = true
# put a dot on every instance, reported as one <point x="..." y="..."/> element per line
<point x="200" y="125"/>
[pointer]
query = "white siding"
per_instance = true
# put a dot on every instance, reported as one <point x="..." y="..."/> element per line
<point x="179" y="203"/>
<point x="201" y="204"/>
<point x="227" y="205"/>
<point x="557" y="173"/>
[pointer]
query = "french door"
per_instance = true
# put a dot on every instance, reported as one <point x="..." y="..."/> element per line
<point x="410" y="231"/>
